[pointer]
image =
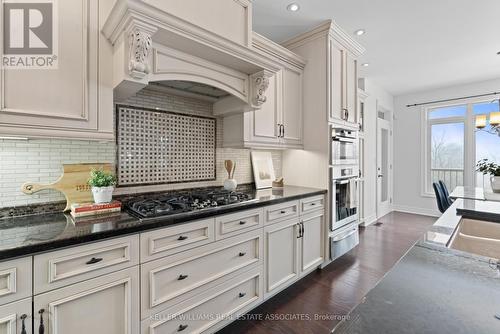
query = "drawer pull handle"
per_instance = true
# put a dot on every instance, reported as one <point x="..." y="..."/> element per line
<point x="41" y="328"/>
<point x="242" y="254"/>
<point x="182" y="277"/>
<point x="94" y="260"/>
<point x="182" y="237"/>
<point x="182" y="327"/>
<point x="23" y="326"/>
<point x="283" y="212"/>
<point x="313" y="204"/>
<point x="242" y="294"/>
<point x="243" y="222"/>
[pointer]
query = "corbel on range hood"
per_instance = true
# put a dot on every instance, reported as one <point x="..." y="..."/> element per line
<point x="156" y="41"/>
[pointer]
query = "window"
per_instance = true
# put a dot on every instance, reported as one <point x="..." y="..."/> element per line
<point x="487" y="145"/>
<point x="453" y="145"/>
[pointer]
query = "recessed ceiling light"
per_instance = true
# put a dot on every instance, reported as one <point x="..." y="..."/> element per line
<point x="293" y="7"/>
<point x="365" y="64"/>
<point x="360" y="32"/>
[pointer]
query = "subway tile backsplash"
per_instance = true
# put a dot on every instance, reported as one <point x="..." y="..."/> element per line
<point x="40" y="160"/>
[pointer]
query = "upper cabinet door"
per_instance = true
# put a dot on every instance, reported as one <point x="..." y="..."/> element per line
<point x="292" y="108"/>
<point x="265" y="124"/>
<point x="47" y="102"/>
<point x="336" y="98"/>
<point x="351" y="87"/>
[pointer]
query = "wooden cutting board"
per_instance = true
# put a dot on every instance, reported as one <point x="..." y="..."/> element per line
<point x="72" y="183"/>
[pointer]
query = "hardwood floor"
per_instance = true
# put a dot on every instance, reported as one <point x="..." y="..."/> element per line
<point x="317" y="303"/>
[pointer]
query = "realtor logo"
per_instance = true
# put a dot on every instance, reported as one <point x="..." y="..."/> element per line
<point x="29" y="34"/>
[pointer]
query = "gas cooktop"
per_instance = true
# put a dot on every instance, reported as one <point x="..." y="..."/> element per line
<point x="168" y="204"/>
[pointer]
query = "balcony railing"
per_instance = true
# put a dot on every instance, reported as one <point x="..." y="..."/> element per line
<point x="452" y="177"/>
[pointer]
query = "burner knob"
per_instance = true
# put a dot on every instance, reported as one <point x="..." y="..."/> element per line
<point x="214" y="203"/>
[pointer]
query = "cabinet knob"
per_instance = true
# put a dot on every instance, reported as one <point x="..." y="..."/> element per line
<point x="241" y="254"/>
<point x="94" y="260"/>
<point x="182" y="327"/>
<point x="41" y="328"/>
<point x="283" y="212"/>
<point x="243" y="222"/>
<point x="23" y="326"/>
<point x="182" y="277"/>
<point x="242" y="294"/>
<point x="182" y="237"/>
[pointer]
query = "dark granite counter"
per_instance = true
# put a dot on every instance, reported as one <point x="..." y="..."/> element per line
<point x="431" y="290"/>
<point x="481" y="210"/>
<point x="21" y="236"/>
<point x="434" y="289"/>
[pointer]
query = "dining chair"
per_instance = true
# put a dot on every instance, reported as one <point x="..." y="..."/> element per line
<point x="445" y="192"/>
<point x="442" y="203"/>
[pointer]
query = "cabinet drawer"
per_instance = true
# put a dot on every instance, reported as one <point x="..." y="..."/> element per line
<point x="234" y="224"/>
<point x="171" y="280"/>
<point x="60" y="268"/>
<point x="235" y="297"/>
<point x="312" y="204"/>
<point x="278" y="212"/>
<point x="171" y="240"/>
<point x="15" y="280"/>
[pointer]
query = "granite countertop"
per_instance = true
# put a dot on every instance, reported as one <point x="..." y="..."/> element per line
<point x="27" y="235"/>
<point x="431" y="290"/>
<point x="435" y="289"/>
<point x="481" y="210"/>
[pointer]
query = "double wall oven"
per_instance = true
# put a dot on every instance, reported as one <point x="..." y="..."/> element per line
<point x="344" y="175"/>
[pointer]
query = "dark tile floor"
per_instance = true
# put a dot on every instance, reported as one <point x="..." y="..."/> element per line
<point x="316" y="303"/>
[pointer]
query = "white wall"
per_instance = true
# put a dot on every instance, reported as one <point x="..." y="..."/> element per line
<point x="407" y="144"/>
<point x="377" y="97"/>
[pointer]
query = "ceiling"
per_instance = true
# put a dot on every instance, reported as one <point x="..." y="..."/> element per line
<point x="412" y="45"/>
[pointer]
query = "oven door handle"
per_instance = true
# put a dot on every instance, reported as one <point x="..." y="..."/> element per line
<point x="342" y="182"/>
<point x="345" y="140"/>
<point x="337" y="239"/>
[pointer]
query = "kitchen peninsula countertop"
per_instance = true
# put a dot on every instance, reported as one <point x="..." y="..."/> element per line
<point x="28" y="235"/>
<point x="433" y="289"/>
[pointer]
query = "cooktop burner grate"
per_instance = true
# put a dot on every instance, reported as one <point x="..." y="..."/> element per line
<point x="169" y="204"/>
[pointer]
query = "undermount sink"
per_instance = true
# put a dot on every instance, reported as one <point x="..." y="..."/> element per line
<point x="477" y="237"/>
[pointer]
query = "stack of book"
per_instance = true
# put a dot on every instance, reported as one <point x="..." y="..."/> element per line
<point x="92" y="209"/>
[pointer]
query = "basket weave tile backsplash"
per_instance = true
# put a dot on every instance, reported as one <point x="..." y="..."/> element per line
<point x="157" y="147"/>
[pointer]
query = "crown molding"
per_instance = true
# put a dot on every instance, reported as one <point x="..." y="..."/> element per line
<point x="331" y="29"/>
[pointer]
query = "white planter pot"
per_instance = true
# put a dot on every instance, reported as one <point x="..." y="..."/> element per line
<point x="495" y="183"/>
<point x="230" y="184"/>
<point x="103" y="194"/>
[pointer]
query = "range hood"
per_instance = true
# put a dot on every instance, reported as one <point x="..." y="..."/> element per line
<point x="151" y="44"/>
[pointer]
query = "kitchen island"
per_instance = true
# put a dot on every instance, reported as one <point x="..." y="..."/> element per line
<point x="434" y="289"/>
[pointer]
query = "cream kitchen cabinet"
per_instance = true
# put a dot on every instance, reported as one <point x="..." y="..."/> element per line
<point x="16" y="317"/>
<point x="107" y="304"/>
<point x="74" y="100"/>
<point x="293" y="247"/>
<point x="343" y="84"/>
<point x="281" y="250"/>
<point x="277" y="124"/>
<point x="291" y="115"/>
<point x="312" y="241"/>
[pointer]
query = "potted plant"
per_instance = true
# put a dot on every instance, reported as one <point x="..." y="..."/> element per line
<point x="103" y="184"/>
<point x="490" y="168"/>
